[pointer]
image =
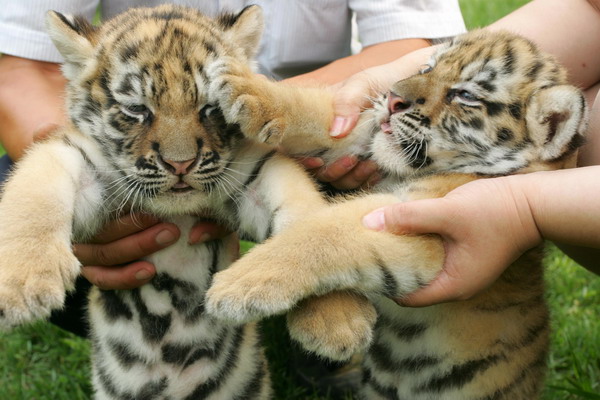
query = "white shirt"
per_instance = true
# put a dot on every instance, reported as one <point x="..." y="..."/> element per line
<point x="300" y="35"/>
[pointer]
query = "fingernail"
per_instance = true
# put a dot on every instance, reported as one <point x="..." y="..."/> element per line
<point x="165" y="237"/>
<point x="348" y="162"/>
<point x="373" y="180"/>
<point x="375" y="220"/>
<point x="366" y="170"/>
<point x="313" y="162"/>
<point x="339" y="125"/>
<point x="205" y="237"/>
<point x="143" y="275"/>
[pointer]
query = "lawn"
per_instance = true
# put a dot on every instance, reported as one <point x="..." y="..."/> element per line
<point x="42" y="362"/>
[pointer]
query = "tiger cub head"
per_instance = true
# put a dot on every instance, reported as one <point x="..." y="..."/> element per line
<point x="136" y="85"/>
<point x="486" y="103"/>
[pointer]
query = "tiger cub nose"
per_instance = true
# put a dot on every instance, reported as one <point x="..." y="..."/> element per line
<point x="178" y="167"/>
<point x="397" y="103"/>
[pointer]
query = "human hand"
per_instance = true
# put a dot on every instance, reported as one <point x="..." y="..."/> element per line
<point x="350" y="97"/>
<point x="112" y="259"/>
<point x="345" y="173"/>
<point x="485" y="225"/>
<point x="357" y="93"/>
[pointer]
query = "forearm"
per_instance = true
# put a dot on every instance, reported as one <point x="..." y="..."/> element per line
<point x="566" y="29"/>
<point x="577" y="49"/>
<point x="378" y="54"/>
<point x="572" y="39"/>
<point x="564" y="205"/>
<point x="31" y="95"/>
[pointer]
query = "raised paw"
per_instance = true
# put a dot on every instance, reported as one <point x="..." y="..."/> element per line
<point x="336" y="325"/>
<point x="34" y="281"/>
<point x="245" y="99"/>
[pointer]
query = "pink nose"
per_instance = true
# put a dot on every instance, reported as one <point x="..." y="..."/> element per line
<point x="397" y="104"/>
<point x="179" y="167"/>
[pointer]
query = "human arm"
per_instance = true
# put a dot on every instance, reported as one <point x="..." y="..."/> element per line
<point x="572" y="39"/>
<point x="386" y="30"/>
<point x="341" y="69"/>
<point x="30" y="93"/>
<point x="487" y="224"/>
<point x="576" y="49"/>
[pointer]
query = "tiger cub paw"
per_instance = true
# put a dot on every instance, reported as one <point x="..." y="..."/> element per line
<point x="239" y="297"/>
<point x="245" y="98"/>
<point x="34" y="281"/>
<point x="256" y="286"/>
<point x="336" y="325"/>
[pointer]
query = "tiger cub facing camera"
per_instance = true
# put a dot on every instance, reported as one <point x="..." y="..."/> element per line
<point x="167" y="117"/>
<point x="145" y="136"/>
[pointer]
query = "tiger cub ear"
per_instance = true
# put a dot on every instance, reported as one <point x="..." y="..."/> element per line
<point x="244" y="29"/>
<point x="557" y="119"/>
<point x="73" y="37"/>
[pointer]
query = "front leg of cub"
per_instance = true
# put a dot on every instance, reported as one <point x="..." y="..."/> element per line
<point x="37" y="265"/>
<point x="293" y="118"/>
<point x="244" y="99"/>
<point x="330" y="250"/>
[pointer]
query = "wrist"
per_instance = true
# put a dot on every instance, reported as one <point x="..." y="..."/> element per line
<point x="523" y="195"/>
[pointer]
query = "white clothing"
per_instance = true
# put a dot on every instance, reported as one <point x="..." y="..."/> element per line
<point x="300" y="35"/>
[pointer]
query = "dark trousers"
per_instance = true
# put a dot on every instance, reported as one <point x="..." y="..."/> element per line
<point x="72" y="316"/>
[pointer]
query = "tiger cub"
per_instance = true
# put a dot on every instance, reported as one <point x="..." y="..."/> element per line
<point x="487" y="104"/>
<point x="143" y="136"/>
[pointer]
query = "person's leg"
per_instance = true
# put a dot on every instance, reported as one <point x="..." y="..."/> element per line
<point x="72" y="316"/>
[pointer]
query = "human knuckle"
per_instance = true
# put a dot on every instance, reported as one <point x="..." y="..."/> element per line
<point x="94" y="277"/>
<point x="102" y="256"/>
<point x="101" y="283"/>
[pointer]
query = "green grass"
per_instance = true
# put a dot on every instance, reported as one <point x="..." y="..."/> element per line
<point x="479" y="13"/>
<point x="42" y="362"/>
<point x="575" y="358"/>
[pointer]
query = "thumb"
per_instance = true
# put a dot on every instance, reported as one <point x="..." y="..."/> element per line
<point x="348" y="101"/>
<point x="443" y="288"/>
<point x="419" y="216"/>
